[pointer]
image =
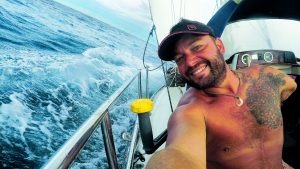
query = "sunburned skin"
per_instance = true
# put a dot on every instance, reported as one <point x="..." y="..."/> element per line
<point x="250" y="136"/>
<point x="208" y="129"/>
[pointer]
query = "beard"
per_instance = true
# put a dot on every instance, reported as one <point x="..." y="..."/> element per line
<point x="216" y="76"/>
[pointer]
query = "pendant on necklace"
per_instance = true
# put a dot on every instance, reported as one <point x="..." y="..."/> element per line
<point x="239" y="101"/>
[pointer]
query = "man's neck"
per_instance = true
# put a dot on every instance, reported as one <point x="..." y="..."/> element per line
<point x="230" y="85"/>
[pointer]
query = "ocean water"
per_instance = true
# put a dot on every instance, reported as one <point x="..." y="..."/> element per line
<point x="57" y="66"/>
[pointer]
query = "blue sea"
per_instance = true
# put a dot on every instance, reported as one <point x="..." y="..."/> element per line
<point x="57" y="66"/>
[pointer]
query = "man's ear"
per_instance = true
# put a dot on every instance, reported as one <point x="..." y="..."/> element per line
<point x="220" y="45"/>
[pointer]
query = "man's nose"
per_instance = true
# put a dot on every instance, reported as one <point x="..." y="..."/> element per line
<point x="190" y="59"/>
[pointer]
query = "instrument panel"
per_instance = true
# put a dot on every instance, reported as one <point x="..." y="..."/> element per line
<point x="248" y="58"/>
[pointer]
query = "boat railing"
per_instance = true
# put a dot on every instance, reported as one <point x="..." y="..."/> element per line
<point x="65" y="156"/>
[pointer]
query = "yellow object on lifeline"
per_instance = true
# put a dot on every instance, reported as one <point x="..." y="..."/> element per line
<point x="143" y="105"/>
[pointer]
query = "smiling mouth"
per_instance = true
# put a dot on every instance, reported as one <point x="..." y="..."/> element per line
<point x="199" y="69"/>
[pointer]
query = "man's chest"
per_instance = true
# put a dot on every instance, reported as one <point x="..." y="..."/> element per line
<point x="228" y="118"/>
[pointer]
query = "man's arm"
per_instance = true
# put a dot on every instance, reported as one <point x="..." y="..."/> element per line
<point x="186" y="142"/>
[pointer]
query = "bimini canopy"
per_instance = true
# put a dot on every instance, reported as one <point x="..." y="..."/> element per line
<point x="258" y="24"/>
<point x="254" y="9"/>
<point x="249" y="25"/>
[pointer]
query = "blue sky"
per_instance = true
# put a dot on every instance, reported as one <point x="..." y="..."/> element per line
<point x="132" y="16"/>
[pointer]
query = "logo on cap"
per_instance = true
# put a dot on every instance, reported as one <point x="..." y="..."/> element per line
<point x="191" y="27"/>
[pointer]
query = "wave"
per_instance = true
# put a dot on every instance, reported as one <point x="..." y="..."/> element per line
<point x="56" y="68"/>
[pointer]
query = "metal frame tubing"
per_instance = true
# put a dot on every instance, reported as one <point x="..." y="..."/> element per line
<point x="109" y="143"/>
<point x="65" y="156"/>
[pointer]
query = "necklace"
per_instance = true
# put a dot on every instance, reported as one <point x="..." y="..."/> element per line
<point x="238" y="100"/>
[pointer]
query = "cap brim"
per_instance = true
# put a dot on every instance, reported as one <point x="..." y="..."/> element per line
<point x="167" y="45"/>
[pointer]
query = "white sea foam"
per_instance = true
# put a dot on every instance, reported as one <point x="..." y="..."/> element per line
<point x="56" y="116"/>
<point x="52" y="82"/>
<point x="114" y="56"/>
<point x="15" y="113"/>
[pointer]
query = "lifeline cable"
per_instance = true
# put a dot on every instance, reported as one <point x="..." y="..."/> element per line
<point x="162" y="63"/>
<point x="144" y="53"/>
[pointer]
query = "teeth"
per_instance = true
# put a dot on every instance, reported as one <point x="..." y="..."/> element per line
<point x="200" y="69"/>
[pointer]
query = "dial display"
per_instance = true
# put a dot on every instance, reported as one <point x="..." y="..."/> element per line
<point x="268" y="57"/>
<point x="246" y="58"/>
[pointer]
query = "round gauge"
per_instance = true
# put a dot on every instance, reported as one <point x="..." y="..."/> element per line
<point x="268" y="57"/>
<point x="246" y="58"/>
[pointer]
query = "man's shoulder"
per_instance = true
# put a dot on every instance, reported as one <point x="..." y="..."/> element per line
<point x="257" y="71"/>
<point x="261" y="68"/>
<point x="187" y="114"/>
<point x="190" y="105"/>
<point x="251" y="69"/>
<point x="190" y="97"/>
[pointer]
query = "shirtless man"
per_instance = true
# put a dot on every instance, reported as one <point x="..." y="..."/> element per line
<point x="227" y="119"/>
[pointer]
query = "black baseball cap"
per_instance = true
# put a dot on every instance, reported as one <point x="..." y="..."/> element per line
<point x="184" y="26"/>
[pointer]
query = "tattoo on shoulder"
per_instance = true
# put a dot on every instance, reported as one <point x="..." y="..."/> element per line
<point x="263" y="98"/>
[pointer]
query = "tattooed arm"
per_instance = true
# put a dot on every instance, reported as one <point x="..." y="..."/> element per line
<point x="287" y="85"/>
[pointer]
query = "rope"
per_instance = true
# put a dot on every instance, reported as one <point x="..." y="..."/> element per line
<point x="180" y="11"/>
<point x="218" y="5"/>
<point x="162" y="63"/>
<point x="184" y="9"/>
<point x="144" y="53"/>
<point x="173" y="11"/>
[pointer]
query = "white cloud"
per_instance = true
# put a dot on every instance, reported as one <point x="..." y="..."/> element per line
<point x="135" y="9"/>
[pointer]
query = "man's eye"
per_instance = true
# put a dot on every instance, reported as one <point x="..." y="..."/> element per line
<point x="178" y="58"/>
<point x="197" y="48"/>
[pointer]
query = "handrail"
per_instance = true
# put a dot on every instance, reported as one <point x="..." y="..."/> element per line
<point x="68" y="152"/>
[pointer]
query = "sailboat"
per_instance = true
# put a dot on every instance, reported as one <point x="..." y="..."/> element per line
<point x="253" y="31"/>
